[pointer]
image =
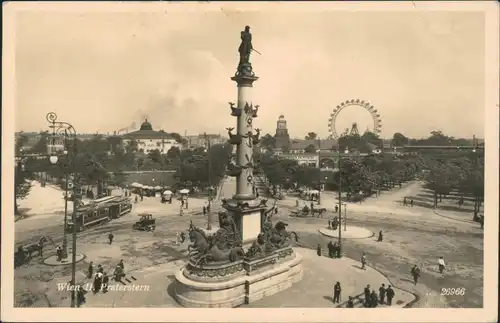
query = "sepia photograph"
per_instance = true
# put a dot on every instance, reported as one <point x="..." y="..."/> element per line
<point x="245" y="162"/>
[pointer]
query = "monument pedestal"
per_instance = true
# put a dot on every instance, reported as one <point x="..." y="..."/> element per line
<point x="237" y="283"/>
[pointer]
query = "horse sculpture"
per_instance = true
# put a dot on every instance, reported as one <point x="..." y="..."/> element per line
<point x="221" y="247"/>
<point x="270" y="239"/>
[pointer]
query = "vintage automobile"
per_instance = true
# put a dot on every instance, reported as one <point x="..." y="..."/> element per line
<point x="146" y="223"/>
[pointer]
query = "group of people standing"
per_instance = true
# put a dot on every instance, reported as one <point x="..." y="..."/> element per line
<point x="372" y="299"/>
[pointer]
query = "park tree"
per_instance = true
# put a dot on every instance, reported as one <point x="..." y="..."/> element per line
<point x="399" y="140"/>
<point x="268" y="141"/>
<point x="311" y="136"/>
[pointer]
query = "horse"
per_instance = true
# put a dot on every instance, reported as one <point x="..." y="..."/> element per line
<point x="35" y="247"/>
<point x="318" y="211"/>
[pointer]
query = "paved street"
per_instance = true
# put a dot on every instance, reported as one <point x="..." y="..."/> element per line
<point x="153" y="258"/>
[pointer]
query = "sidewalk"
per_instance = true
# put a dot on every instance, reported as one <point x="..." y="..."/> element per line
<point x="315" y="289"/>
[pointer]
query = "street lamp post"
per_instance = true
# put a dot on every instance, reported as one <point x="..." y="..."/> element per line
<point x="340" y="197"/>
<point x="69" y="131"/>
<point x="209" y="218"/>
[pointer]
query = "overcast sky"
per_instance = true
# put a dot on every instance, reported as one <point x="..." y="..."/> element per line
<point x="101" y="70"/>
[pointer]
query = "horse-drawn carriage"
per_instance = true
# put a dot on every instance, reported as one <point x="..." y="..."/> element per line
<point x="24" y="253"/>
<point x="306" y="210"/>
<point x="146" y="223"/>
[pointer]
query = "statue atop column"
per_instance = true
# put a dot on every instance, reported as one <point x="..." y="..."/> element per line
<point x="246" y="46"/>
<point x="245" y="49"/>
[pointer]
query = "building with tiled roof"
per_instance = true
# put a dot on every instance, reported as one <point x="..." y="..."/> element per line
<point x="148" y="139"/>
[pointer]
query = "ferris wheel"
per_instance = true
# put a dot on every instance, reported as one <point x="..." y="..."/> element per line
<point x="377" y="121"/>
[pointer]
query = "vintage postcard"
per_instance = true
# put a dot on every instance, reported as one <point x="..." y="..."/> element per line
<point x="250" y="162"/>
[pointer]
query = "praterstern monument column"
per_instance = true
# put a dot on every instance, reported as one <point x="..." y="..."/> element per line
<point x="248" y="212"/>
<point x="248" y="258"/>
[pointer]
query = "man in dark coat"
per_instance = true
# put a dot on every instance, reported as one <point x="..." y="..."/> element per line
<point x="91" y="269"/>
<point x="367" y="295"/>
<point x="415" y="272"/>
<point x="381" y="294"/>
<point x="373" y="299"/>
<point x="350" y="302"/>
<point x="110" y="237"/>
<point x="390" y="295"/>
<point x="80" y="296"/>
<point x="204" y="210"/>
<point x="318" y="250"/>
<point x="97" y="283"/>
<point x="105" y="282"/>
<point x="380" y="236"/>
<point x="331" y="251"/>
<point x="337" y="289"/>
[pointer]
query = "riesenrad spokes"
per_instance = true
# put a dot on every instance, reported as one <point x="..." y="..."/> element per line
<point x="377" y="121"/>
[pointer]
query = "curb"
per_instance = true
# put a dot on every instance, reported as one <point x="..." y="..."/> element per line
<point x="451" y="218"/>
<point x="371" y="236"/>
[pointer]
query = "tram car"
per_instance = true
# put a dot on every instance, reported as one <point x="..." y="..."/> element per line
<point x="89" y="215"/>
<point x="119" y="207"/>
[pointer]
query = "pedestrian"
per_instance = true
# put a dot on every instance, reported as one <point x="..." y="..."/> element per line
<point x="91" y="269"/>
<point x="389" y="292"/>
<point x="336" y="250"/>
<point x="380" y="236"/>
<point x="415" y="272"/>
<point x="142" y="197"/>
<point x="481" y="221"/>
<point x="329" y="224"/>
<point x="183" y="237"/>
<point x="59" y="253"/>
<point x="350" y="302"/>
<point x="182" y="202"/>
<point x="411" y="202"/>
<point x="312" y="206"/>
<point x="105" y="282"/>
<point x="373" y="299"/>
<point x="100" y="269"/>
<point x="110" y="237"/>
<point x="363" y="261"/>
<point x="136" y="199"/>
<point x="441" y="265"/>
<point x="318" y="250"/>
<point x="331" y="252"/>
<point x="181" y="211"/>
<point x="186" y="203"/>
<point x="276" y="210"/>
<point x="336" y="209"/>
<point x="204" y="210"/>
<point x="381" y="294"/>
<point x="405" y="203"/>
<point x="257" y="194"/>
<point x="97" y="282"/>
<point x="336" y="292"/>
<point x="297" y="203"/>
<point x="80" y="296"/>
<point x="367" y="295"/>
<point x="121" y="264"/>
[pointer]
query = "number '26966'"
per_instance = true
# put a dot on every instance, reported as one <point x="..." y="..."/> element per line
<point x="452" y="291"/>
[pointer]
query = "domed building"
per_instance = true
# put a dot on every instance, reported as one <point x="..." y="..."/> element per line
<point x="148" y="139"/>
